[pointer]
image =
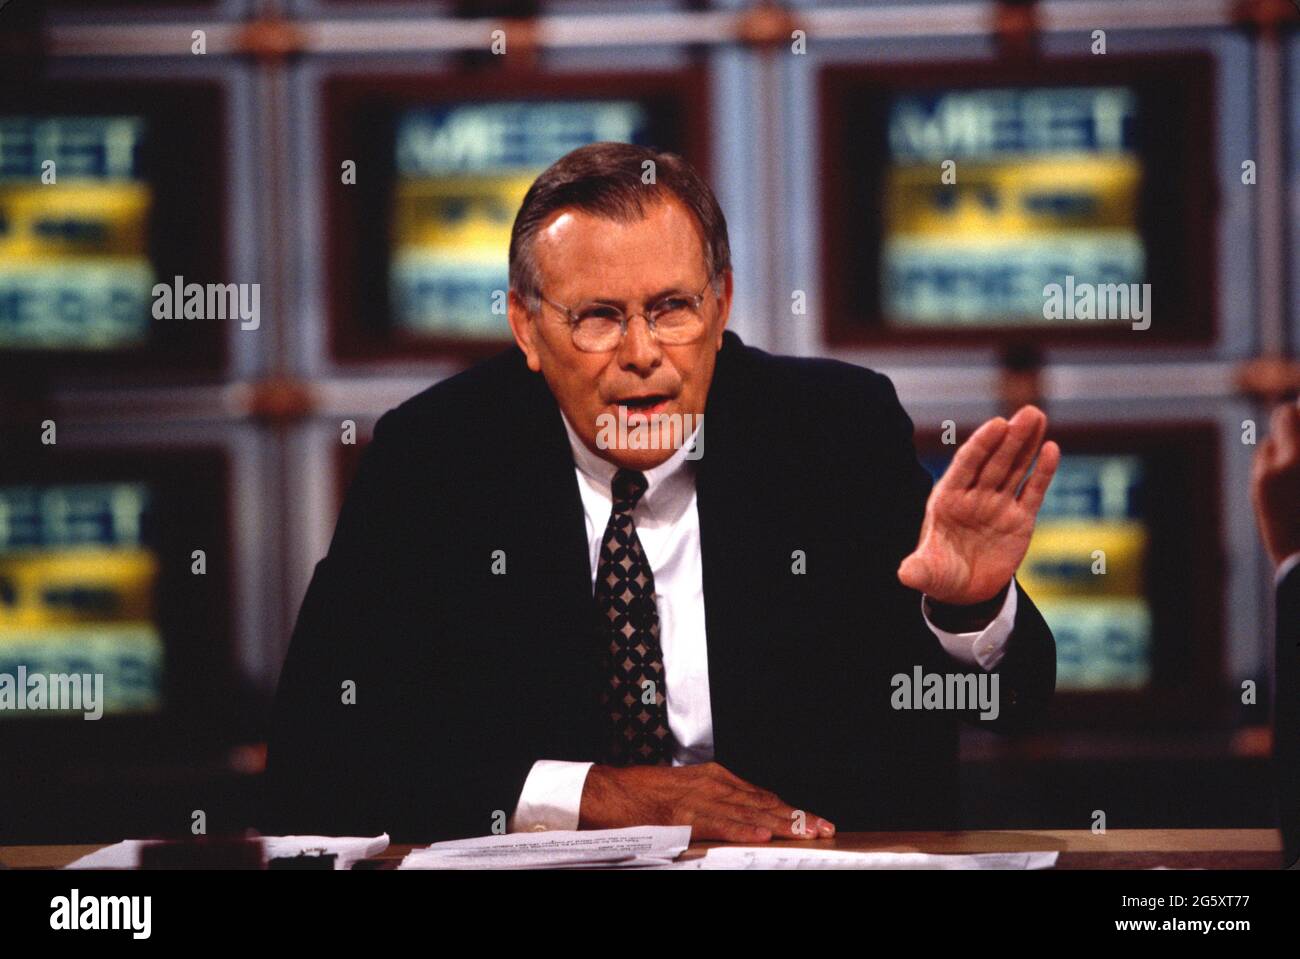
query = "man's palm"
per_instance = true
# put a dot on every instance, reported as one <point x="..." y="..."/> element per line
<point x="976" y="528"/>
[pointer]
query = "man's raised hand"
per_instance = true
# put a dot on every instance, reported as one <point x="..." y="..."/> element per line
<point x="979" y="518"/>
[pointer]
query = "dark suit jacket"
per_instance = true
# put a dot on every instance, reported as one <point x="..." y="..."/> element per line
<point x="463" y="678"/>
<point x="1286" y="714"/>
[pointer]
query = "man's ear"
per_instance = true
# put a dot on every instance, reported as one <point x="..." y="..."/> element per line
<point x="724" y="305"/>
<point x="524" y="330"/>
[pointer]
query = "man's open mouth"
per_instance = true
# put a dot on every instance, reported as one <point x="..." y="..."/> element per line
<point x="653" y="403"/>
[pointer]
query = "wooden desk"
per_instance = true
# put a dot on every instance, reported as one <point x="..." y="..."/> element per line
<point x="1079" y="848"/>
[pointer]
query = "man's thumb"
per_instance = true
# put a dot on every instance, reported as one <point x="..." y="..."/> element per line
<point x="914" y="573"/>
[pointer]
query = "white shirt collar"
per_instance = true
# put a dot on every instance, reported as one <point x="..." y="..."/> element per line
<point x="673" y="475"/>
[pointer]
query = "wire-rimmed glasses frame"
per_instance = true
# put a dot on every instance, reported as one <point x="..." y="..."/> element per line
<point x="659" y="317"/>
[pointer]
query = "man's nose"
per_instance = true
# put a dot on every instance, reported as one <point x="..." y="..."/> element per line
<point x="639" y="349"/>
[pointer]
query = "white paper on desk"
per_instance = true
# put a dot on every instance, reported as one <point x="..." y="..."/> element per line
<point x="120" y="855"/>
<point x="346" y="849"/>
<point x="788" y="857"/>
<point x="634" y="846"/>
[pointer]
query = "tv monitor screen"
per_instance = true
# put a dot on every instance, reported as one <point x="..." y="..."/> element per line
<point x="461" y="173"/>
<point x="78" y="581"/>
<point x="1065" y="202"/>
<point x="1131" y="591"/>
<point x="419" y="241"/>
<point x="75" y="271"/>
<point x="107" y="189"/>
<point x="1085" y="570"/>
<point x="1048" y="187"/>
<point x="115" y="564"/>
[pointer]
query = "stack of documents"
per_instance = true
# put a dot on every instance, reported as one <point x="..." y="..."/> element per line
<point x="345" y="849"/>
<point x="791" y="856"/>
<point x="639" y="847"/>
<point x="635" y="847"/>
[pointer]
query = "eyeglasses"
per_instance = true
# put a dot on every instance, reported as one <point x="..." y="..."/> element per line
<point x="674" y="320"/>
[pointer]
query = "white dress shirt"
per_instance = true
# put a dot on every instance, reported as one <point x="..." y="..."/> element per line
<point x="668" y="525"/>
<point x="1283" y="567"/>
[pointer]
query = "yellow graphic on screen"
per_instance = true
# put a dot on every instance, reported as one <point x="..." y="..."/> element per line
<point x="75" y="272"/>
<point x="458" y="217"/>
<point x="1064" y="554"/>
<point x="1086" y="577"/>
<point x="47" y="588"/>
<point x="77" y="219"/>
<point x="450" y="241"/>
<point x="78" y="590"/>
<point x="1014" y="199"/>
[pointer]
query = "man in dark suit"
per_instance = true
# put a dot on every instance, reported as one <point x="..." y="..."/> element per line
<point x="553" y="599"/>
<point x="1275" y="491"/>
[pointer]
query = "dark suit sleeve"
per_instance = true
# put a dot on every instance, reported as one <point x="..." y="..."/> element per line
<point x="1027" y="672"/>
<point x="394" y="758"/>
<point x="1286" y="713"/>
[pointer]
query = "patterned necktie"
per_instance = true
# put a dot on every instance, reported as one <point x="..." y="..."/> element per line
<point x="625" y="587"/>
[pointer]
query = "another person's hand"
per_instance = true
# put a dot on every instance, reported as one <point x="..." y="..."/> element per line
<point x="1275" y="484"/>
<point x="714" y="802"/>
<point x="976" y="528"/>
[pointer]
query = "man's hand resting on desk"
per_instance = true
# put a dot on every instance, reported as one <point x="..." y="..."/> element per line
<point x="715" y="803"/>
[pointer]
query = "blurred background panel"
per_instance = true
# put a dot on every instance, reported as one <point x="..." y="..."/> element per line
<point x="419" y="243"/>
<point x="903" y="182"/>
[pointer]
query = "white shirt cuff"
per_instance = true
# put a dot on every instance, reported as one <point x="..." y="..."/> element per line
<point x="1285" y="567"/>
<point x="551" y="797"/>
<point x="986" y="647"/>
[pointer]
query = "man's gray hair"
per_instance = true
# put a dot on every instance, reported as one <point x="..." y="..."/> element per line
<point x="608" y="180"/>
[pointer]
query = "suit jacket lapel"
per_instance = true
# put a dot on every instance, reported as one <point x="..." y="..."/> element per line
<point x="726" y="523"/>
<point x="551" y="523"/>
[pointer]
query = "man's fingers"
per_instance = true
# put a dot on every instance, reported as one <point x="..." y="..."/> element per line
<point x="723" y="774"/>
<point x="772" y="820"/>
<point x="972" y="455"/>
<point x="744" y="802"/>
<point x="806" y="825"/>
<point x="1031" y="497"/>
<point x="762" y="799"/>
<point x="1020" y="430"/>
<point x="715" y="826"/>
<point x="734" y="810"/>
<point x="757" y="799"/>
<point x="744" y="793"/>
<point x="784" y="822"/>
<point x="1025" y="457"/>
<point x="1284" y="430"/>
<point x="1265" y="457"/>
